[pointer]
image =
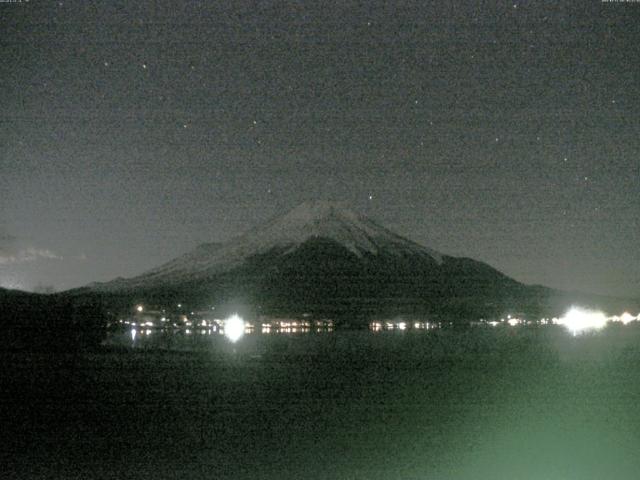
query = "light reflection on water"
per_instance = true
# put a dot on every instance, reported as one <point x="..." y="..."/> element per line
<point x="198" y="338"/>
<point x="205" y="335"/>
<point x="482" y="403"/>
<point x="401" y="325"/>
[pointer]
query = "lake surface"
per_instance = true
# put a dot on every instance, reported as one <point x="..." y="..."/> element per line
<point x="505" y="403"/>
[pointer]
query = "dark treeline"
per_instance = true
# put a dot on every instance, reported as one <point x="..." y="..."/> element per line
<point x="49" y="322"/>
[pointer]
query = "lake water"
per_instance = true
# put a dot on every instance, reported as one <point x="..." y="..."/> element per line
<point x="507" y="403"/>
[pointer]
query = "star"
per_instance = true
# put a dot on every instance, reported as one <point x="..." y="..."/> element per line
<point x="144" y="65"/>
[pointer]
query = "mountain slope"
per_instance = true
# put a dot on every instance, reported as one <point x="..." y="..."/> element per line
<point x="311" y="220"/>
<point x="324" y="259"/>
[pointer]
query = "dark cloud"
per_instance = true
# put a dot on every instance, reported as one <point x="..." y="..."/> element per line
<point x="5" y="239"/>
<point x="7" y="244"/>
<point x="12" y="251"/>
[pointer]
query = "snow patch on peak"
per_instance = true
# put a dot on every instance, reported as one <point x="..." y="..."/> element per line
<point x="332" y="220"/>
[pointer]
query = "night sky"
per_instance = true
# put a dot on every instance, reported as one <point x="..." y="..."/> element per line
<point x="133" y="131"/>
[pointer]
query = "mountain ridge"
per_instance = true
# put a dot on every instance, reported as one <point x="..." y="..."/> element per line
<point x="322" y="219"/>
<point x="322" y="258"/>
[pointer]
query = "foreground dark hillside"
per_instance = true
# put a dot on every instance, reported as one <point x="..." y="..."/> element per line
<point x="32" y="321"/>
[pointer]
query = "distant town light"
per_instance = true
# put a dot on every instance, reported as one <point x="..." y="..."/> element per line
<point x="234" y="327"/>
<point x="376" y="326"/>
<point x="626" y="317"/>
<point x="139" y="308"/>
<point x="578" y="320"/>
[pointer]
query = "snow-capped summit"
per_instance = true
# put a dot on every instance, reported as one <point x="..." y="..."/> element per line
<point x="333" y="221"/>
<point x="311" y="220"/>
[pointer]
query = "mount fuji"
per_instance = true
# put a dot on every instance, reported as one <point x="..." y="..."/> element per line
<point x="316" y="222"/>
<point x="322" y="258"/>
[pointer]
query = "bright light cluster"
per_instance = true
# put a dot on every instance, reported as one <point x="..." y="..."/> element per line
<point x="578" y="320"/>
<point x="625" y="318"/>
<point x="234" y="328"/>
